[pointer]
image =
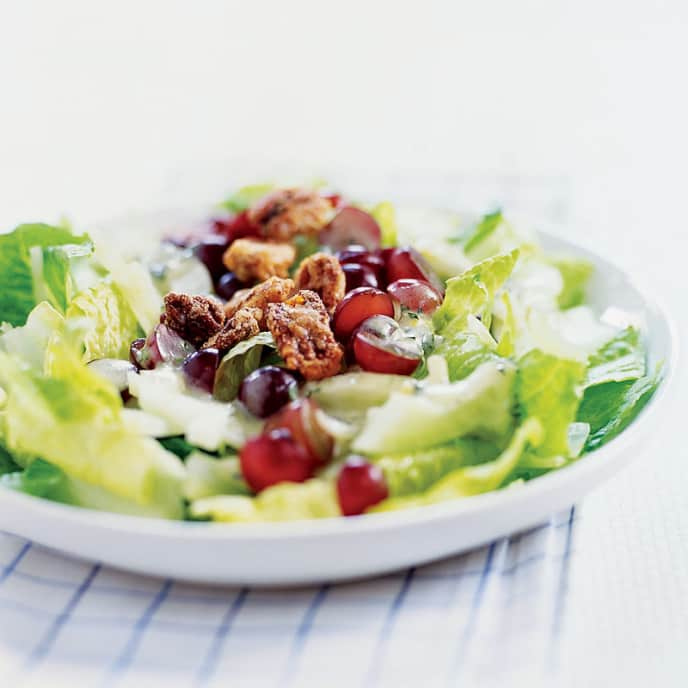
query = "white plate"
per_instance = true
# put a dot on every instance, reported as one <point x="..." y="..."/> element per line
<point x="336" y="549"/>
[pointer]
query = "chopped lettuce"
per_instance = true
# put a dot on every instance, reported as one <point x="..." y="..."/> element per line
<point x="472" y="480"/>
<point x="246" y="196"/>
<point x="621" y="358"/>
<point x="547" y="388"/>
<point x="576" y="274"/>
<point x="464" y="352"/>
<point x="284" y="502"/>
<point x="73" y="420"/>
<point x="472" y="292"/>
<point x="610" y="407"/>
<point x="208" y="476"/>
<point x="385" y="216"/>
<point x="484" y="229"/>
<point x="35" y="266"/>
<point x="408" y="474"/>
<point x="205" y="423"/>
<point x="110" y="322"/>
<point x="242" y="359"/>
<point x="480" y="406"/>
<point x="31" y="341"/>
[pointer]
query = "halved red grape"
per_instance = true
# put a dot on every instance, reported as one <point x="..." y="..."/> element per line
<point x="267" y="389"/>
<point x="381" y="346"/>
<point x="274" y="457"/>
<point x="361" y="256"/>
<point x="301" y="419"/>
<point x="358" y="305"/>
<point x="136" y="351"/>
<point x="163" y="345"/>
<point x="360" y="485"/>
<point x="416" y="295"/>
<point x="209" y="250"/>
<point x="407" y="263"/>
<point x="237" y="227"/>
<point x="351" y="226"/>
<point x="358" y="275"/>
<point x="228" y="285"/>
<point x="200" y="367"/>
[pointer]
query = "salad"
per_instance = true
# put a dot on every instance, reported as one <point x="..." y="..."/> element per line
<point x="303" y="355"/>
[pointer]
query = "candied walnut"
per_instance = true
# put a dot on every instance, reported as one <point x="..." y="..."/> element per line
<point x="273" y="290"/>
<point x="253" y="259"/>
<point x="193" y="318"/>
<point x="285" y="213"/>
<point x="303" y="336"/>
<point x="322" y="274"/>
<point x="242" y="325"/>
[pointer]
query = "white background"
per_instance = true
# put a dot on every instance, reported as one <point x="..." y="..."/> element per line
<point x="105" y="106"/>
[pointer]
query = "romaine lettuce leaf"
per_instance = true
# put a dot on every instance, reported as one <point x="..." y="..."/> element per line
<point x="208" y="476"/>
<point x="110" y="323"/>
<point x="385" y="216"/>
<point x="73" y="420"/>
<point x="621" y="358"/>
<point x="23" y="280"/>
<point x="240" y="360"/>
<point x="30" y="341"/>
<point x="464" y="352"/>
<point x="479" y="406"/>
<point x="473" y="480"/>
<point x="408" y="474"/>
<point x="472" y="292"/>
<point x="245" y="197"/>
<point x="284" y="502"/>
<point x="610" y="407"/>
<point x="485" y="227"/>
<point x="576" y="273"/>
<point x="547" y="388"/>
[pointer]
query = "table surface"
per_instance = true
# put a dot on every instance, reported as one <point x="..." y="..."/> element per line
<point x="573" y="112"/>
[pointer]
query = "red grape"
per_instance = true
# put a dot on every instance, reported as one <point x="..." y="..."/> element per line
<point x="361" y="256"/>
<point x="163" y="345"/>
<point x="379" y="346"/>
<point x="358" y="305"/>
<point x="228" y="285"/>
<point x="300" y="418"/>
<point x="416" y="295"/>
<point x="360" y="485"/>
<point x="358" y="276"/>
<point x="135" y="352"/>
<point x="209" y="250"/>
<point x="238" y="227"/>
<point x="407" y="263"/>
<point x="200" y="367"/>
<point x="266" y="390"/>
<point x="351" y="226"/>
<point x="274" y="457"/>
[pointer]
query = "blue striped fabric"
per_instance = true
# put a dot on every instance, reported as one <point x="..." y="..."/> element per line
<point x="71" y="623"/>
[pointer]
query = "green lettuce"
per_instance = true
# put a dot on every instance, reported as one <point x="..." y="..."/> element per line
<point x="242" y="359"/>
<point x="284" y="502"/>
<point x="610" y="408"/>
<point x="72" y="419"/>
<point x="485" y="228"/>
<point x="472" y="293"/>
<point x="473" y="480"/>
<point x="385" y="216"/>
<point x="621" y="358"/>
<point x="35" y="261"/>
<point x="408" y="474"/>
<point x="479" y="406"/>
<point x="576" y="274"/>
<point x="30" y="341"/>
<point x="245" y="197"/>
<point x="547" y="388"/>
<point x="110" y="323"/>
